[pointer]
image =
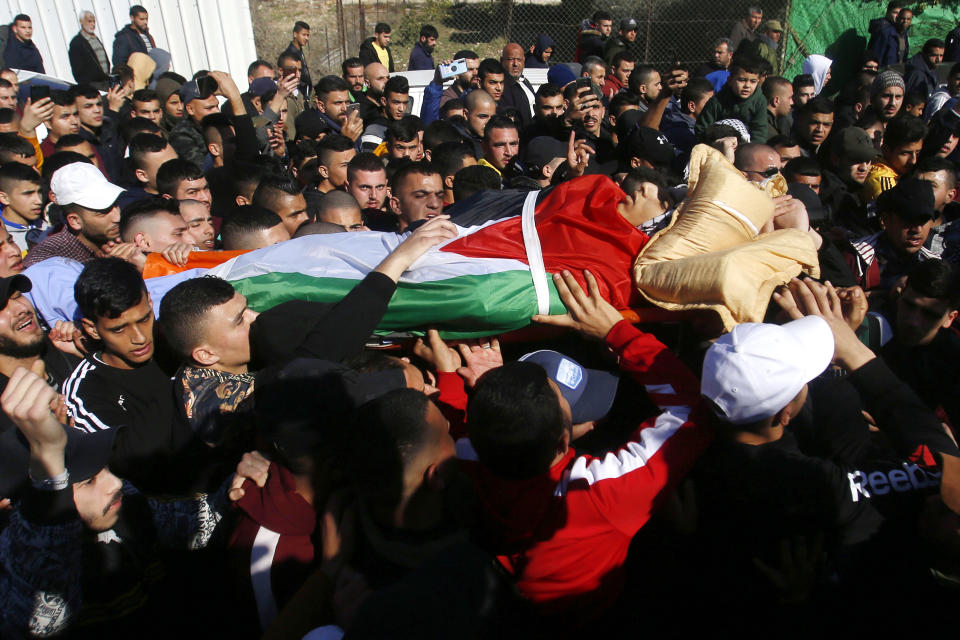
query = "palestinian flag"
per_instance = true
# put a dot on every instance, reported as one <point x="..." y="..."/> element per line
<point x="477" y="284"/>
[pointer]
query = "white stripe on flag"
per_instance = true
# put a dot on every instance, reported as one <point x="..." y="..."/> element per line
<point x="531" y="244"/>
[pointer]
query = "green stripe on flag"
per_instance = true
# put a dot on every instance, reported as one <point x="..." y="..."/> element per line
<point x="461" y="307"/>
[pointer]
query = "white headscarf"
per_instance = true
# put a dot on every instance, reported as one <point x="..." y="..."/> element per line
<point x="817" y="66"/>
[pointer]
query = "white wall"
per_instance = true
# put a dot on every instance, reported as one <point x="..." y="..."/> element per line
<point x="199" y="34"/>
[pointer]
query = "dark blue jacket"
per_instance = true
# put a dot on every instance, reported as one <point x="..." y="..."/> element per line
<point x="127" y="41"/>
<point x="887" y="45"/>
<point x="420" y="60"/>
<point x="678" y="126"/>
<point x="23" y="55"/>
<point x="920" y="78"/>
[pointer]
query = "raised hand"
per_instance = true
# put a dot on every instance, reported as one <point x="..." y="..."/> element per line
<point x="578" y="155"/>
<point x="588" y="313"/>
<point x="435" y="231"/>
<point x="30" y="402"/>
<point x="808" y="298"/>
<point x="353" y="127"/>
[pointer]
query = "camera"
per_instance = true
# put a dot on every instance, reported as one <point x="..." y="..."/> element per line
<point x="453" y="69"/>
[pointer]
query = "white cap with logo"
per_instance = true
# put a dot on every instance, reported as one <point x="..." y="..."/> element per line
<point x="755" y="370"/>
<point x="83" y="184"/>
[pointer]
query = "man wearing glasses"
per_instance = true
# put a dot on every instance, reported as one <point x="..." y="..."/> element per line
<point x="758" y="162"/>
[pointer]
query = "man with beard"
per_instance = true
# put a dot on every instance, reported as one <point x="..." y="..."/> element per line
<point x="548" y="113"/>
<point x="393" y="108"/>
<point x="421" y="57"/>
<point x="376" y="76"/>
<point x="91" y="215"/>
<point x="584" y="115"/>
<point x="23" y="344"/>
<point x="435" y="96"/>
<point x="352" y="70"/>
<point x="886" y="95"/>
<point x="88" y="56"/>
<point x="465" y="81"/>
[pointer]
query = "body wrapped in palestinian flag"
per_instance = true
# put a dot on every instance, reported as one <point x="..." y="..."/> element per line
<point x="477" y="284"/>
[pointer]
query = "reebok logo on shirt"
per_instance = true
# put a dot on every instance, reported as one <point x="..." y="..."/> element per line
<point x="879" y="483"/>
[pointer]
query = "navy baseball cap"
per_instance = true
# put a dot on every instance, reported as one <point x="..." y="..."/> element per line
<point x="85" y="455"/>
<point x="262" y="86"/>
<point x="590" y="392"/>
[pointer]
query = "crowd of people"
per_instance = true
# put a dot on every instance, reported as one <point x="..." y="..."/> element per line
<point x="175" y="461"/>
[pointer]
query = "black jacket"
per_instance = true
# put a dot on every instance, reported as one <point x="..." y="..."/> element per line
<point x="83" y="61"/>
<point x="127" y="41"/>
<point x="306" y="84"/>
<point x="368" y="54"/>
<point x="828" y="477"/>
<point x="514" y="97"/>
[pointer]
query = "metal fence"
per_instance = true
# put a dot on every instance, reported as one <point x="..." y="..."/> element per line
<point x="670" y="30"/>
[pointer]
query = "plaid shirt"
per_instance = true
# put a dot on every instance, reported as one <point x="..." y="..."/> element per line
<point x="61" y="243"/>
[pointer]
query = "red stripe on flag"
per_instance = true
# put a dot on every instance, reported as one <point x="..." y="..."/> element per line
<point x="579" y="229"/>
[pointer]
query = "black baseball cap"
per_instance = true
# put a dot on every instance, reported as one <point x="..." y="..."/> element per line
<point x="310" y="124"/>
<point x="590" y="392"/>
<point x="542" y="150"/>
<point x="8" y="285"/>
<point x="854" y="145"/>
<point x="649" y="144"/>
<point x="911" y="199"/>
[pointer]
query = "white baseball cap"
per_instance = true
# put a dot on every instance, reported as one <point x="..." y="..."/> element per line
<point x="755" y="370"/>
<point x="82" y="183"/>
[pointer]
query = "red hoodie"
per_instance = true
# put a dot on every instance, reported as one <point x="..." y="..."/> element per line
<point x="564" y="535"/>
<point x="271" y="548"/>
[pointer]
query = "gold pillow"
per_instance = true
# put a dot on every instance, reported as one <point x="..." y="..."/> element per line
<point x="712" y="256"/>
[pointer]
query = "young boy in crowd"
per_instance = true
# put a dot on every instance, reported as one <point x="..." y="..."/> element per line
<point x="22" y="201"/>
<point x="739" y="99"/>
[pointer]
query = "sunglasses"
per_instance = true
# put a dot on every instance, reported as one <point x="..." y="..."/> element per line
<point x="766" y="173"/>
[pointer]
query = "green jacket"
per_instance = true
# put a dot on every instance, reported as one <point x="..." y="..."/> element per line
<point x="725" y="104"/>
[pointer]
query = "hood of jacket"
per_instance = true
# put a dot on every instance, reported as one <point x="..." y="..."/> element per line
<point x="817" y="66"/>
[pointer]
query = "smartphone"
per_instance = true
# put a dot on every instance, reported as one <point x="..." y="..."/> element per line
<point x="113" y="80"/>
<point x="352" y="107"/>
<point x="453" y="69"/>
<point x="584" y="83"/>
<point x="38" y="92"/>
<point x="206" y="86"/>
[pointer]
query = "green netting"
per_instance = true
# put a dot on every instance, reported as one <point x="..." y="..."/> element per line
<point x="839" y="28"/>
